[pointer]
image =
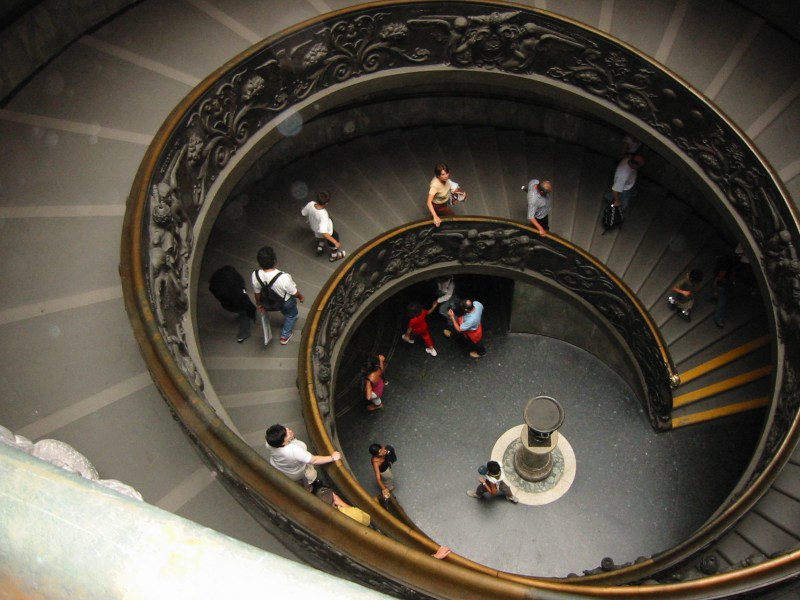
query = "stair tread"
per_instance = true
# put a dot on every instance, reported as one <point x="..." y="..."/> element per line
<point x="782" y="510"/>
<point x="788" y="481"/>
<point x="764" y="535"/>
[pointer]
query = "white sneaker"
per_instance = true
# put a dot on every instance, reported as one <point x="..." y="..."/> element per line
<point x="431" y="351"/>
<point x="406" y="339"/>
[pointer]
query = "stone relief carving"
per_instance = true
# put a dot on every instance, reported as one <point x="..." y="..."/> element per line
<point x="499" y="39"/>
<point x="171" y="243"/>
<point x="312" y="549"/>
<point x="613" y="77"/>
<point x="487" y="243"/>
<point x="460" y="36"/>
<point x="511" y="247"/>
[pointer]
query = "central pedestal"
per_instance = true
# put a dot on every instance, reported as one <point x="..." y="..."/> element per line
<point x="543" y="416"/>
<point x="534" y="463"/>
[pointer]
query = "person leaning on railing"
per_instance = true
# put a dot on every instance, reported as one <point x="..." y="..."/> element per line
<point x="291" y="457"/>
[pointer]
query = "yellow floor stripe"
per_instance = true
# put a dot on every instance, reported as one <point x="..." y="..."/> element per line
<point x="720" y="386"/>
<point x="717" y="413"/>
<point x="723" y="359"/>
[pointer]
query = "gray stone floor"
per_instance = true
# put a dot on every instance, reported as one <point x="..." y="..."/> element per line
<point x="635" y="493"/>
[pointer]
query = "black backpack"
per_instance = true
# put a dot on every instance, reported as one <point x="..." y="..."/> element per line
<point x="270" y="299"/>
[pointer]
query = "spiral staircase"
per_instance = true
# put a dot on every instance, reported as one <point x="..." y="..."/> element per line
<point x="79" y="125"/>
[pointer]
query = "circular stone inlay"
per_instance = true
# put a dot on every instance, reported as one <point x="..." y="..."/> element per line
<point x="540" y="492"/>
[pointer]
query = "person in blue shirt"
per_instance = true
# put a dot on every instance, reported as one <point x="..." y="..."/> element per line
<point x="469" y="326"/>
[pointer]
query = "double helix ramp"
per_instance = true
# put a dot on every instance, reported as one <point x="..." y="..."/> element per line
<point x="76" y="130"/>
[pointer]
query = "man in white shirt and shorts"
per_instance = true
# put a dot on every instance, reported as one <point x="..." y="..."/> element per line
<point x="316" y="213"/>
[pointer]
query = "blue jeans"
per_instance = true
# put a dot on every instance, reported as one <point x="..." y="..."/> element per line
<point x="289" y="312"/>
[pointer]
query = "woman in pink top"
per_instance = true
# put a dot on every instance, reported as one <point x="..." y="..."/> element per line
<point x="373" y="382"/>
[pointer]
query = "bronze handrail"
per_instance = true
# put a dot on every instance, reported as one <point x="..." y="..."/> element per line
<point x="191" y="155"/>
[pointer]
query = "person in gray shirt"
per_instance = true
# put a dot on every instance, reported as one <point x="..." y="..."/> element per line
<point x="540" y="201"/>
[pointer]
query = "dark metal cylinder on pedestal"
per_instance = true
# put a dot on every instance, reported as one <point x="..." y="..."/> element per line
<point x="543" y="416"/>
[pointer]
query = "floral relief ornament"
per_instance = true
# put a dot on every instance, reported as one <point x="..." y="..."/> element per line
<point x="493" y="40"/>
<point x="354" y="47"/>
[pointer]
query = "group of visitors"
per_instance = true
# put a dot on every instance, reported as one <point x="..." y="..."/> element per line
<point x="227" y="285"/>
<point x="291" y="457"/>
<point x="277" y="290"/>
<point x="463" y="323"/>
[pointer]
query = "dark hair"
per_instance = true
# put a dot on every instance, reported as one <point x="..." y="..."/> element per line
<point x="541" y="187"/>
<point x="638" y="159"/>
<point x="276" y="434"/>
<point x="323" y="197"/>
<point x="372" y="365"/>
<point x="493" y="468"/>
<point x="266" y="257"/>
<point x="413" y="309"/>
<point x="466" y="305"/>
<point x="696" y="275"/>
<point x="374" y="449"/>
<point x="439" y="168"/>
<point x="325" y="494"/>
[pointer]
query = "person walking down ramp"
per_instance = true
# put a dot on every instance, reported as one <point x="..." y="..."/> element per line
<point x="316" y="213"/>
<point x="625" y="175"/>
<point x="383" y="457"/>
<point x="683" y="293"/>
<point x="418" y="326"/>
<point x="443" y="194"/>
<point x="469" y="327"/>
<point x="276" y="290"/>
<point x="540" y="202"/>
<point x="373" y="381"/>
<point x="491" y="483"/>
<point x="227" y="286"/>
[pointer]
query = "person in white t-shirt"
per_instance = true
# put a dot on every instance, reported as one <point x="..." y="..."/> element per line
<point x="492" y="483"/>
<point x="282" y="284"/>
<point x="623" y="188"/>
<point x="316" y="213"/>
<point x="291" y="456"/>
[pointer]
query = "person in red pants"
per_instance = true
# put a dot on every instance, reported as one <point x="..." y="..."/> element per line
<point x="418" y="326"/>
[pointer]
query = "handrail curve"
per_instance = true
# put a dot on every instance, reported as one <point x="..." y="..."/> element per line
<point x="196" y="149"/>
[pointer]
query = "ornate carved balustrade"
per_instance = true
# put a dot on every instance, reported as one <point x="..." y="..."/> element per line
<point x="238" y="112"/>
<point x="483" y="245"/>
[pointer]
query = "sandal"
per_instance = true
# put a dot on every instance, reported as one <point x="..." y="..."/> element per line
<point x="338" y="255"/>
